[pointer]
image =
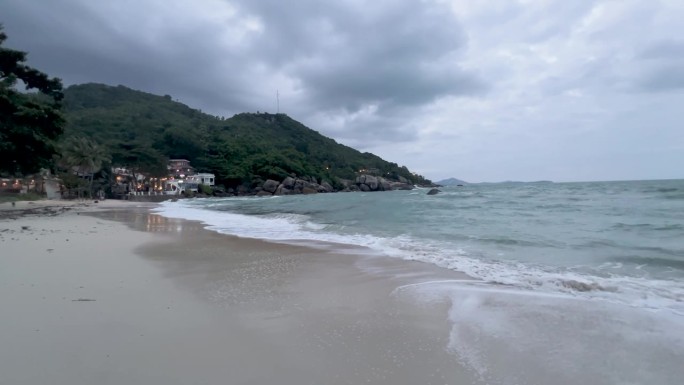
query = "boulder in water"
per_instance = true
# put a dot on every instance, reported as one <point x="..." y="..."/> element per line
<point x="433" y="191"/>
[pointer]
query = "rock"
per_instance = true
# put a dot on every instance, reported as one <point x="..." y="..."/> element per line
<point x="384" y="185"/>
<point x="263" y="193"/>
<point x="270" y="185"/>
<point x="309" y="190"/>
<point x="370" y="181"/>
<point x="326" y="186"/>
<point x="433" y="191"/>
<point x="364" y="187"/>
<point x="403" y="180"/>
<point x="282" y="190"/>
<point x="289" y="182"/>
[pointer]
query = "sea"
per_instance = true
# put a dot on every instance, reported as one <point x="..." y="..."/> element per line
<point x="586" y="278"/>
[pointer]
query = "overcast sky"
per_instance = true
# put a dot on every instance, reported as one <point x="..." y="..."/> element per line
<point x="484" y="90"/>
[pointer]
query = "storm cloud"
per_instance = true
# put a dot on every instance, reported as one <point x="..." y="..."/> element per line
<point x="486" y="90"/>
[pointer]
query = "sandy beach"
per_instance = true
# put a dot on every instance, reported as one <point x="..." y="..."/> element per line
<point x="112" y="293"/>
<point x="108" y="293"/>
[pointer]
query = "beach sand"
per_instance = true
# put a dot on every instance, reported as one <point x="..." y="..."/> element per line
<point x="108" y="293"/>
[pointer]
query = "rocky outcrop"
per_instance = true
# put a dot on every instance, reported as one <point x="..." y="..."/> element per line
<point x="378" y="183"/>
<point x="293" y="185"/>
<point x="433" y="191"/>
<point x="371" y="182"/>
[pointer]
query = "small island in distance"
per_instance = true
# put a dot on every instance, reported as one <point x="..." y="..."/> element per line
<point x="449" y="182"/>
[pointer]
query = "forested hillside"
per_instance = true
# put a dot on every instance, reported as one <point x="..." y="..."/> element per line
<point x="141" y="131"/>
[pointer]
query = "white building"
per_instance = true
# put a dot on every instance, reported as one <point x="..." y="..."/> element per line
<point x="202" y="178"/>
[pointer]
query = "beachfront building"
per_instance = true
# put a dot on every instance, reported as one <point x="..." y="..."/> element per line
<point x="180" y="168"/>
<point x="181" y="178"/>
<point x="202" y="178"/>
<point x="43" y="184"/>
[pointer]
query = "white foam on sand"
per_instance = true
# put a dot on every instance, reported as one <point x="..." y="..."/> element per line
<point x="511" y="336"/>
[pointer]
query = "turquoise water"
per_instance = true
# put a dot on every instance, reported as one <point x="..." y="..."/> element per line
<point x="624" y="241"/>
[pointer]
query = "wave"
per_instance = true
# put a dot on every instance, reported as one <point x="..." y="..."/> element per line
<point x="647" y="227"/>
<point x="655" y="294"/>
<point x="505" y="241"/>
<point x="658" y="262"/>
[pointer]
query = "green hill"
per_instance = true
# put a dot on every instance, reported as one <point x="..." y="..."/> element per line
<point x="143" y="130"/>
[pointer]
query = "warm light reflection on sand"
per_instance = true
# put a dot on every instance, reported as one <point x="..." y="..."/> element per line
<point x="150" y="222"/>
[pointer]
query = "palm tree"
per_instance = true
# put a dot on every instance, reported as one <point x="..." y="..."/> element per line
<point x="83" y="156"/>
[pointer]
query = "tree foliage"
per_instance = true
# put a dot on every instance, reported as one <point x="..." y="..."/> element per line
<point x="82" y="157"/>
<point x="29" y="122"/>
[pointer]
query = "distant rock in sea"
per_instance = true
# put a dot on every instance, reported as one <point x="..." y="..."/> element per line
<point x="451" y="182"/>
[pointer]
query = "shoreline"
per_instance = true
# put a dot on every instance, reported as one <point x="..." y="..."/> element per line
<point x="20" y="209"/>
<point x="114" y="293"/>
<point x="120" y="295"/>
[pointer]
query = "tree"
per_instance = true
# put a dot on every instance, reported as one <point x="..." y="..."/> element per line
<point x="29" y="122"/>
<point x="139" y="158"/>
<point x="83" y="156"/>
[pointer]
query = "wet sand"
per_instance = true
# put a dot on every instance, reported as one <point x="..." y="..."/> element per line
<point x="124" y="296"/>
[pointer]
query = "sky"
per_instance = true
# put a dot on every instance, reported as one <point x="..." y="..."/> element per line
<point x="486" y="90"/>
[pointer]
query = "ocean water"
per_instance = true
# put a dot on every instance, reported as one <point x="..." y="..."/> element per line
<point x="623" y="240"/>
<point x="612" y="251"/>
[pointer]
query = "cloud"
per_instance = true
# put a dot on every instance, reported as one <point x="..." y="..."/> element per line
<point x="668" y="77"/>
<point x="663" y="64"/>
<point x="406" y="54"/>
<point x="349" y="60"/>
<point x="663" y="49"/>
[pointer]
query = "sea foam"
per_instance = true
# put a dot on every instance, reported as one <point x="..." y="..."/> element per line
<point x="650" y="294"/>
